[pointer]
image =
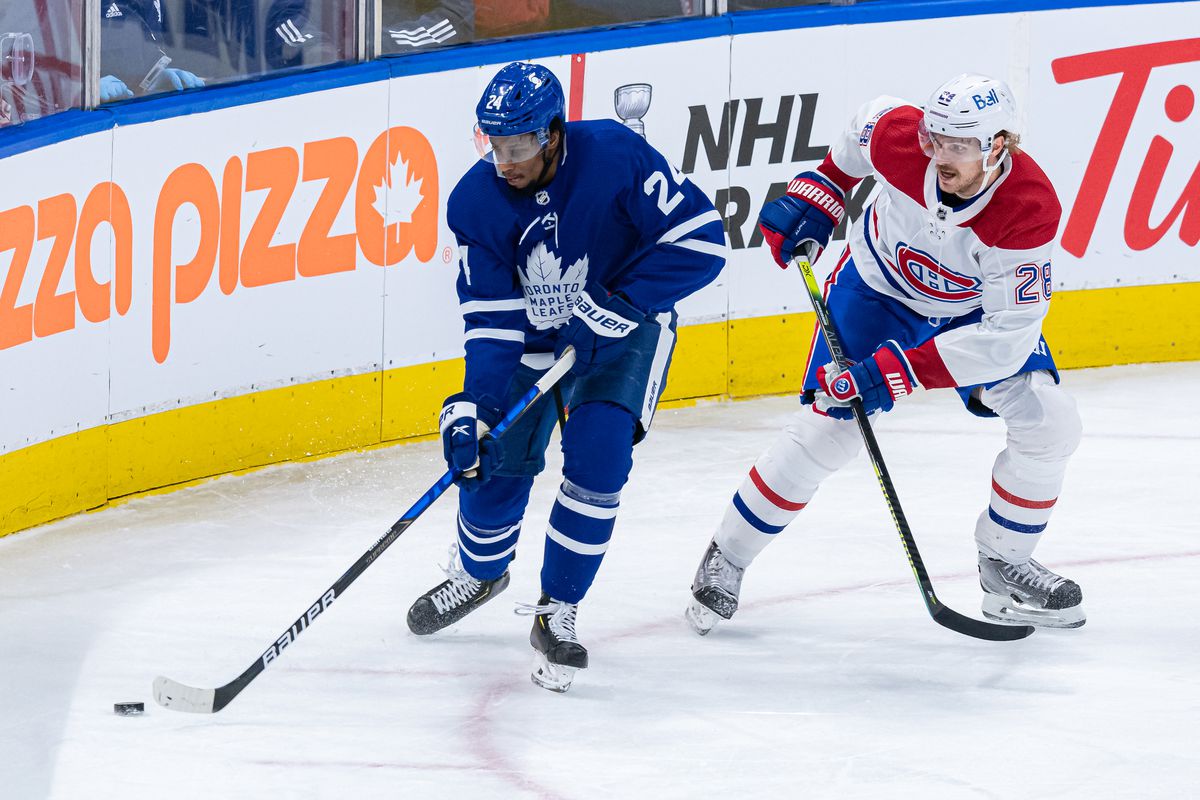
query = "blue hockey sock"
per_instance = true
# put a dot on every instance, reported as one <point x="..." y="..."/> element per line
<point x="489" y="524"/>
<point x="597" y="458"/>
<point x="581" y="524"/>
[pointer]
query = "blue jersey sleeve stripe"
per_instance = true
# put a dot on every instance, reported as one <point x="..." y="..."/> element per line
<point x="501" y="334"/>
<point x="689" y="225"/>
<point x="483" y="306"/>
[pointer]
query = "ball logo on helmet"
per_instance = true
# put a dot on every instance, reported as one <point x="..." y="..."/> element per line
<point x="989" y="99"/>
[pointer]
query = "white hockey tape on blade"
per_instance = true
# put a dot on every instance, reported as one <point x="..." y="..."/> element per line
<point x="179" y="697"/>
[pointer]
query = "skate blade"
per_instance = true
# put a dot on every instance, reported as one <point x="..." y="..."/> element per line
<point x="555" y="677"/>
<point x="700" y="618"/>
<point x="1006" y="611"/>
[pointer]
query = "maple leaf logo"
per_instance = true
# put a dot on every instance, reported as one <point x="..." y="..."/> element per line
<point x="398" y="195"/>
<point x="577" y="272"/>
<point x="543" y="266"/>
<point x="550" y="291"/>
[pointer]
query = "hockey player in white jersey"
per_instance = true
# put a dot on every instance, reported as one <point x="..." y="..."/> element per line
<point x="569" y="233"/>
<point x="944" y="284"/>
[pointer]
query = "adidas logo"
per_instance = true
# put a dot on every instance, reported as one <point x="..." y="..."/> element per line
<point x="291" y="34"/>
<point x="113" y="11"/>
<point x="419" y="37"/>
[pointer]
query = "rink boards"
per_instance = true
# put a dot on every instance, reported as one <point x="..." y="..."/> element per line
<point x="233" y="278"/>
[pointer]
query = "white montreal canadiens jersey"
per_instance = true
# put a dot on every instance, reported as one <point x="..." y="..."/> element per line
<point x="615" y="218"/>
<point x="993" y="252"/>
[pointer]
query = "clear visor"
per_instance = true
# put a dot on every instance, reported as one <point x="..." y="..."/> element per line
<point x="948" y="149"/>
<point x="507" y="149"/>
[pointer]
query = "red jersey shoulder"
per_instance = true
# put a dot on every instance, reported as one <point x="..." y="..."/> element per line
<point x="895" y="151"/>
<point x="1025" y="211"/>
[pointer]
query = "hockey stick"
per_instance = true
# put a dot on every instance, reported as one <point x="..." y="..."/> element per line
<point x="181" y="697"/>
<point x="943" y="615"/>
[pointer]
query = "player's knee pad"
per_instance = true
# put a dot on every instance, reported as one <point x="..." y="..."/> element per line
<point x="598" y="447"/>
<point x="816" y="446"/>
<point x="489" y="524"/>
<point x="1043" y="422"/>
<point x="497" y="503"/>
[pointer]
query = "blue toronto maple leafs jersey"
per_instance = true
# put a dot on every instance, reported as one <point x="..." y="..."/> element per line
<point x="616" y="218"/>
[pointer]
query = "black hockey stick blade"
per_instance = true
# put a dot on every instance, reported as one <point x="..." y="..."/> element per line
<point x="181" y="697"/>
<point x="969" y="626"/>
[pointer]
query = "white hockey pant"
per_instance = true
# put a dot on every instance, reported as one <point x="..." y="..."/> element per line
<point x="783" y="480"/>
<point x="1043" y="431"/>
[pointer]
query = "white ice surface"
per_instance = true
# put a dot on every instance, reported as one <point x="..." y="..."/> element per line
<point x="831" y="682"/>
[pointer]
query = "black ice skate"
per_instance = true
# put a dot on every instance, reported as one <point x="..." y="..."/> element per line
<point x="557" y="651"/>
<point x="1029" y="594"/>
<point x="453" y="598"/>
<point x="714" y="590"/>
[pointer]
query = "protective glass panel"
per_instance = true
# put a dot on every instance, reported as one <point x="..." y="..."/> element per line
<point x="752" y="5"/>
<point x="415" y="26"/>
<point x="154" y="46"/>
<point x="412" y="27"/>
<point x="41" y="47"/>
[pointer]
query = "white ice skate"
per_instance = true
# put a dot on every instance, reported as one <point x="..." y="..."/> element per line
<point x="714" y="591"/>
<point x="1029" y="594"/>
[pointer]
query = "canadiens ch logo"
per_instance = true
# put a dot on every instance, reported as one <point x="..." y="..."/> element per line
<point x="921" y="272"/>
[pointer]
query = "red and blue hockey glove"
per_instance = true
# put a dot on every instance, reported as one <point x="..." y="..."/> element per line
<point x="599" y="330"/>
<point x="880" y="381"/>
<point x="471" y="453"/>
<point x="811" y="209"/>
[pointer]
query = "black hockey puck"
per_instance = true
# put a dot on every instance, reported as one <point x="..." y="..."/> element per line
<point x="128" y="709"/>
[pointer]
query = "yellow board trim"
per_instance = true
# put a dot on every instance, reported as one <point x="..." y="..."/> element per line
<point x="742" y="358"/>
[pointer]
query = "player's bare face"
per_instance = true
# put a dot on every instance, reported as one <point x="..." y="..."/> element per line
<point x="963" y="178"/>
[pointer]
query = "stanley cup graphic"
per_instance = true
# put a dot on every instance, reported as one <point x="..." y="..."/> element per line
<point x="631" y="102"/>
<point x="16" y="58"/>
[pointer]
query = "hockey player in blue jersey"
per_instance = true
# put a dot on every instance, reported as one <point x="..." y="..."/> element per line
<point x="575" y="234"/>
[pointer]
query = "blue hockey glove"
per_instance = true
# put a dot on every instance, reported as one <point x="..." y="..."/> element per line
<point x="599" y="330"/>
<point x="472" y="454"/>
<point x="880" y="381"/>
<point x="811" y="209"/>
<point x="113" y="88"/>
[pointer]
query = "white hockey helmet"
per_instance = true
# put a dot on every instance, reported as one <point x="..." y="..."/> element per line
<point x="969" y="107"/>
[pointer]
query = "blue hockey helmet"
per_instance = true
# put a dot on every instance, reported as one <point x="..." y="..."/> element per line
<point x="521" y="98"/>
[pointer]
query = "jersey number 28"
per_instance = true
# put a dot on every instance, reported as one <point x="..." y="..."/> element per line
<point x="1035" y="283"/>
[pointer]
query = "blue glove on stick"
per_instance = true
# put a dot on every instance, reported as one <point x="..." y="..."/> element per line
<point x="811" y="209"/>
<point x="880" y="381"/>
<point x="471" y="453"/>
